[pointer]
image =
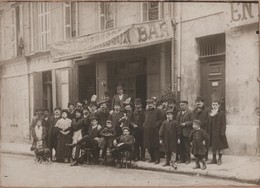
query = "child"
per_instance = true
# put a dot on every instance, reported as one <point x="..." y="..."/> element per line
<point x="107" y="134"/>
<point x="123" y="143"/>
<point x="64" y="137"/>
<point x="168" y="138"/>
<point x="198" y="138"/>
<point x="216" y="128"/>
<point x="39" y="134"/>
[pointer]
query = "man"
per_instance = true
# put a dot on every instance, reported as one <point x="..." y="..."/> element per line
<point x="71" y="109"/>
<point x="201" y="113"/>
<point x="153" y="120"/>
<point x="173" y="107"/>
<point x="46" y="122"/>
<point x="119" y="98"/>
<point x="185" y="120"/>
<point x="53" y="131"/>
<point x="102" y="114"/>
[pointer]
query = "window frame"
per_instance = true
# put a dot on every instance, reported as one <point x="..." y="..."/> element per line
<point x="105" y="15"/>
<point x="43" y="25"/>
<point x="145" y="5"/>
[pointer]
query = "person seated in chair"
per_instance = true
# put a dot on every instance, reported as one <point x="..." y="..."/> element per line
<point x="89" y="141"/>
<point x="123" y="143"/>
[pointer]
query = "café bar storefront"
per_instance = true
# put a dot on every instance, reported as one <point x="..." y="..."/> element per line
<point x="137" y="56"/>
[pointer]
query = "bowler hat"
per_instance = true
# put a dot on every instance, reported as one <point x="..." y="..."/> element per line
<point x="123" y="128"/>
<point x="108" y="121"/>
<point x="101" y="102"/>
<point x="184" y="101"/>
<point x="199" y="98"/>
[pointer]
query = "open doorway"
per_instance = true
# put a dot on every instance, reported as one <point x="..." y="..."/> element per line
<point x="87" y="81"/>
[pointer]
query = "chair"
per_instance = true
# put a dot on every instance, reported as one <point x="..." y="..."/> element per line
<point x="126" y="158"/>
<point x="87" y="154"/>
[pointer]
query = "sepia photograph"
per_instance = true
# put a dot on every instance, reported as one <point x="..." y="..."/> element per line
<point x="120" y="93"/>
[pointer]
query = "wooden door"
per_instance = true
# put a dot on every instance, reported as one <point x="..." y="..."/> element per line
<point x="213" y="81"/>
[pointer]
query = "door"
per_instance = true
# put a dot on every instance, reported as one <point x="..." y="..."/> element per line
<point x="213" y="81"/>
<point x="87" y="81"/>
<point x="140" y="92"/>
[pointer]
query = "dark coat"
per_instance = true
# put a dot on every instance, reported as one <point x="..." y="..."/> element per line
<point x="216" y="128"/>
<point x="35" y="139"/>
<point x="102" y="118"/>
<point x="115" y="117"/>
<point x="152" y="123"/>
<point x="117" y="100"/>
<point x="126" y="139"/>
<point x="138" y="132"/>
<point x="169" y="135"/>
<point x="52" y="134"/>
<point x="47" y="123"/>
<point x="187" y="118"/>
<point x="86" y="124"/>
<point x="202" y="115"/>
<point x="197" y="137"/>
<point x="77" y="124"/>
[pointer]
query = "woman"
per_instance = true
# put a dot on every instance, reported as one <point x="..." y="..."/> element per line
<point x="216" y="128"/>
<point x="64" y="138"/>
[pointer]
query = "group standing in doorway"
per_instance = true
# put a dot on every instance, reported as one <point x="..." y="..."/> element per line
<point x="106" y="130"/>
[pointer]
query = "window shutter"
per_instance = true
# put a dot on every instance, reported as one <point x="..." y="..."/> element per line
<point x="37" y="90"/>
<point x="145" y="10"/>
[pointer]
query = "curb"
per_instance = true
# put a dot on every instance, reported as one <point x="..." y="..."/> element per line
<point x="167" y="170"/>
<point x="206" y="174"/>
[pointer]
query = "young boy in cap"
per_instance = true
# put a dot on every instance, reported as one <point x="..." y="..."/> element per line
<point x="108" y="134"/>
<point x="199" y="138"/>
<point x="123" y="143"/>
<point x="138" y="130"/>
<point x="168" y="138"/>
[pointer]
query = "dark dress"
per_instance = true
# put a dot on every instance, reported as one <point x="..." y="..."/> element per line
<point x="153" y="120"/>
<point x="197" y="137"/>
<point x="216" y="128"/>
<point x="63" y="151"/>
<point x="169" y="135"/>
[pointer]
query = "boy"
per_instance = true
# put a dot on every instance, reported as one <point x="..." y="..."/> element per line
<point x="39" y="142"/>
<point x="107" y="134"/>
<point x="168" y="138"/>
<point x="199" y="138"/>
<point x="123" y="143"/>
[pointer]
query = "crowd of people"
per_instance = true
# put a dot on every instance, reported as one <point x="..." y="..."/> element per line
<point x="121" y="124"/>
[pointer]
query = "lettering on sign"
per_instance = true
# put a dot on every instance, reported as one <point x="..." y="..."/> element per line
<point x="241" y="11"/>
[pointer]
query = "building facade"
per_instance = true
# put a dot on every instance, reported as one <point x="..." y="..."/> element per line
<point x="53" y="53"/>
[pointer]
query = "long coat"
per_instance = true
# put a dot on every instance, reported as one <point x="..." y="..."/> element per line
<point x="186" y="118"/>
<point x="52" y="133"/>
<point x="197" y="137"/>
<point x="202" y="115"/>
<point x="153" y="120"/>
<point x="138" y="132"/>
<point x="169" y="135"/>
<point x="216" y="128"/>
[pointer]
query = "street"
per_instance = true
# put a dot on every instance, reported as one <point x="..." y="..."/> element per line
<point x="22" y="171"/>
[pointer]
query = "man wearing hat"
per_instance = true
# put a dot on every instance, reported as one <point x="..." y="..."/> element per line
<point x="138" y="130"/>
<point x="120" y="97"/>
<point x="201" y="112"/>
<point x="123" y="143"/>
<point x="185" y="120"/>
<point x="153" y="120"/>
<point x="102" y="113"/>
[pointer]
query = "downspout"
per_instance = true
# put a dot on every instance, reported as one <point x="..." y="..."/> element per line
<point x="259" y="85"/>
<point x="179" y="54"/>
<point x="29" y="93"/>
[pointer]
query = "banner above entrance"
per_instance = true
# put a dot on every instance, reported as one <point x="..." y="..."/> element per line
<point x="127" y="37"/>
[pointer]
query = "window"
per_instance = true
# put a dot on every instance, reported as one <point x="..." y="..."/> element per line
<point x="212" y="45"/>
<point x="107" y="15"/>
<point x="152" y="11"/>
<point x="43" y="25"/>
<point x="70" y="19"/>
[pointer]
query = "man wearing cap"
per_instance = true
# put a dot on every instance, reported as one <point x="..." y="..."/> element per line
<point x="138" y="130"/>
<point x="152" y="123"/>
<point x="185" y="120"/>
<point x="120" y="97"/>
<point x="125" y="142"/>
<point x="201" y="112"/>
<point x="46" y="119"/>
<point x="102" y="113"/>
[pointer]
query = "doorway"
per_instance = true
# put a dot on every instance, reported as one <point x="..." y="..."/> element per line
<point x="86" y="81"/>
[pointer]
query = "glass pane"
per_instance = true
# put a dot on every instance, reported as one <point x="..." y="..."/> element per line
<point x="67" y="15"/>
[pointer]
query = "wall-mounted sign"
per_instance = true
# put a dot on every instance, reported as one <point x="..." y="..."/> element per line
<point x="214" y="84"/>
<point x="127" y="37"/>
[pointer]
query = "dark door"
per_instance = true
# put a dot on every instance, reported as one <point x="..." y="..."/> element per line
<point x="140" y="92"/>
<point x="213" y="81"/>
<point x="87" y="81"/>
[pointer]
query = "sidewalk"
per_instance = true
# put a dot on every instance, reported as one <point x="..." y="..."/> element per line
<point x="239" y="168"/>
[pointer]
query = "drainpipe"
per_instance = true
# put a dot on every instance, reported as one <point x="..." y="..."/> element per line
<point x="179" y="54"/>
<point x="29" y="92"/>
<point x="259" y="87"/>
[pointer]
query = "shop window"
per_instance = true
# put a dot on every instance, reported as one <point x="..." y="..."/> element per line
<point x="70" y="19"/>
<point x="152" y="11"/>
<point x="43" y="25"/>
<point x="107" y="15"/>
<point x="17" y="30"/>
<point x="212" y="45"/>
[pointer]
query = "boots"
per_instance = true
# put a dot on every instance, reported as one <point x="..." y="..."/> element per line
<point x="214" y="160"/>
<point x="203" y="164"/>
<point x="75" y="163"/>
<point x="174" y="165"/>
<point x="219" y="159"/>
<point x="197" y="163"/>
<point x="168" y="158"/>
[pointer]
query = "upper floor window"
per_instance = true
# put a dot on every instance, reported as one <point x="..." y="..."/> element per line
<point x="17" y="42"/>
<point x="43" y="25"/>
<point x="107" y="15"/>
<point x="152" y="11"/>
<point x="70" y="19"/>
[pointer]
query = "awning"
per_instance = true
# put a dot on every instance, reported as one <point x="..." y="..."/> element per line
<point x="127" y="37"/>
